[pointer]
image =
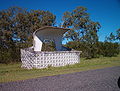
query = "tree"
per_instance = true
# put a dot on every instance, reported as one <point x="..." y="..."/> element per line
<point x="18" y="23"/>
<point x="49" y="46"/>
<point x="118" y="35"/>
<point x="111" y="37"/>
<point x="16" y="28"/>
<point x="114" y="38"/>
<point x="83" y="29"/>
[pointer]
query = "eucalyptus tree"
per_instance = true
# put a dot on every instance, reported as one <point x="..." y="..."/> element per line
<point x="118" y="35"/>
<point x="16" y="28"/>
<point x="114" y="37"/>
<point x="83" y="31"/>
<point x="83" y="28"/>
<point x="17" y="24"/>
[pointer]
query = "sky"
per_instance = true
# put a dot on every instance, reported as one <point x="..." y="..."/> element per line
<point x="106" y="12"/>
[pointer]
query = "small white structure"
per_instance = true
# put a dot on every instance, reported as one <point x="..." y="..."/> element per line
<point x="35" y="58"/>
<point x="48" y="33"/>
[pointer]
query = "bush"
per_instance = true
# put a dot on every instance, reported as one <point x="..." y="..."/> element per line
<point x="106" y="49"/>
<point x="9" y="55"/>
<point x="50" y="46"/>
<point x="88" y="50"/>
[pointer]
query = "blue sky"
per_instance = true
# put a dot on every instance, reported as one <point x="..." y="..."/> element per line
<point x="106" y="12"/>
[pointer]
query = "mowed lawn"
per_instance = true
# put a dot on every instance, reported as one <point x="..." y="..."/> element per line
<point x="14" y="72"/>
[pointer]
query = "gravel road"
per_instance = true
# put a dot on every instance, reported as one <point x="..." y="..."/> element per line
<point x="93" y="80"/>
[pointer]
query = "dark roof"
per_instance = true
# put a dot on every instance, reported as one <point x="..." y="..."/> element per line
<point x="47" y="27"/>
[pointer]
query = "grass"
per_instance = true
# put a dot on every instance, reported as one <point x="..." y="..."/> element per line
<point x="13" y="72"/>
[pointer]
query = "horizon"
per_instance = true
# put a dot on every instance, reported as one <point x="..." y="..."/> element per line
<point x="106" y="12"/>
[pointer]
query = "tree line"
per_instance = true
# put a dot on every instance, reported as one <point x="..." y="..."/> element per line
<point x="17" y="25"/>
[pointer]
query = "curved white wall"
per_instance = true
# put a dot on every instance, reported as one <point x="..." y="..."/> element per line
<point x="37" y="43"/>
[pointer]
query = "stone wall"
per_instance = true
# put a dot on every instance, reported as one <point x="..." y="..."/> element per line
<point x="31" y="59"/>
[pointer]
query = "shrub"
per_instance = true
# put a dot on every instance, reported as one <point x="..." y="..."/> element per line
<point x="50" y="46"/>
<point x="106" y="49"/>
<point x="9" y="55"/>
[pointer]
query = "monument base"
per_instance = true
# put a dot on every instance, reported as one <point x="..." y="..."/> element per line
<point x="43" y="59"/>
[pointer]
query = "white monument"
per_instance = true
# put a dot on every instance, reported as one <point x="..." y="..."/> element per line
<point x="48" y="33"/>
<point x="33" y="57"/>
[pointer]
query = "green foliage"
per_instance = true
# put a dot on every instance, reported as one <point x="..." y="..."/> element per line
<point x="16" y="28"/>
<point x="106" y="49"/>
<point x="83" y="32"/>
<point x="83" y="29"/>
<point x="113" y="38"/>
<point x="18" y="23"/>
<point x="9" y="55"/>
<point x="118" y="35"/>
<point x="50" y="46"/>
<point x="88" y="50"/>
<point x="83" y="35"/>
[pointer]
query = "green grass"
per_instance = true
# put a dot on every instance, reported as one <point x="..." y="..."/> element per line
<point x="13" y="72"/>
